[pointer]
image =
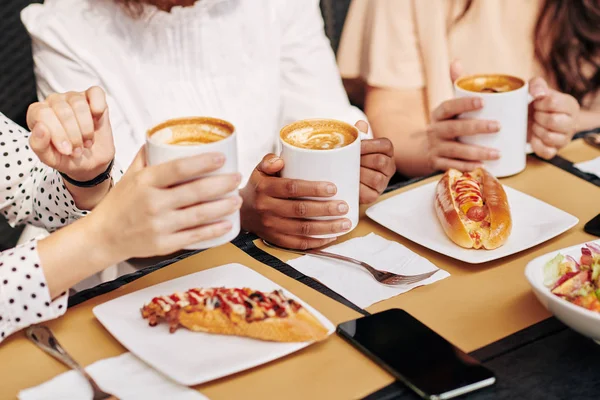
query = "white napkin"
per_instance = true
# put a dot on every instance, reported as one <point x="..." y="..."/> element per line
<point x="591" y="166"/>
<point x="355" y="283"/>
<point x="124" y="376"/>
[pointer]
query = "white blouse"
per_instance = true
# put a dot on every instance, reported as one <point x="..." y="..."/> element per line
<point x="257" y="63"/>
<point x="32" y="193"/>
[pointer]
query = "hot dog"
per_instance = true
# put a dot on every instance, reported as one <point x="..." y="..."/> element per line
<point x="473" y="209"/>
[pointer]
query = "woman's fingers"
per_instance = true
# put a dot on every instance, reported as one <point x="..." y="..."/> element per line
<point x="452" y="108"/>
<point x="184" y="169"/>
<point x="455" y="128"/>
<point x="305" y="227"/>
<point x="462" y="151"/>
<point x="41" y="145"/>
<point x="444" y="164"/>
<point x="549" y="138"/>
<point x="201" y="214"/>
<point x="545" y="152"/>
<point x="202" y="190"/>
<point x="66" y="116"/>
<point x="556" y="122"/>
<point x="180" y="240"/>
<point x="83" y="116"/>
<point x="302" y="208"/>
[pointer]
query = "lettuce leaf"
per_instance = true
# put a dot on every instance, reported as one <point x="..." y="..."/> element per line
<point x="551" y="270"/>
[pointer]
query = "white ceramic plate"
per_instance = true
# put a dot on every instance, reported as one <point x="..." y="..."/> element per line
<point x="583" y="321"/>
<point x="412" y="214"/>
<point x="192" y="358"/>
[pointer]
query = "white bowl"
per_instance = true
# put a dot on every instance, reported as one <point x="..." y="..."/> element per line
<point x="578" y="318"/>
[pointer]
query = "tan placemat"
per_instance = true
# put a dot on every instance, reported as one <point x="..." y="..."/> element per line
<point x="480" y="304"/>
<point x="331" y="369"/>
<point x="579" y="151"/>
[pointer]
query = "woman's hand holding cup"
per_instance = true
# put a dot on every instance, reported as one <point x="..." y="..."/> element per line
<point x="445" y="151"/>
<point x="273" y="211"/>
<point x="150" y="212"/>
<point x="552" y="119"/>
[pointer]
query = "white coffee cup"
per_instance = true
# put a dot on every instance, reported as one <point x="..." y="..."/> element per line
<point x="340" y="166"/>
<point x="510" y="109"/>
<point x="160" y="149"/>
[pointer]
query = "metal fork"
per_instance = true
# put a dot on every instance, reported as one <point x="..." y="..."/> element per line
<point x="43" y="337"/>
<point x="593" y="139"/>
<point x="384" y="277"/>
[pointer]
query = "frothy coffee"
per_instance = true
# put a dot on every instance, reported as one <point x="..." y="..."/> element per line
<point x="490" y="83"/>
<point x="191" y="131"/>
<point x="319" y="134"/>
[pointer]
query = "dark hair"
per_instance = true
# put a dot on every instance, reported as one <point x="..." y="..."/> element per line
<point x="567" y="44"/>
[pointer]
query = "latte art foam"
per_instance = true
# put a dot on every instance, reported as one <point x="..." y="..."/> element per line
<point x="192" y="131"/>
<point x="313" y="138"/>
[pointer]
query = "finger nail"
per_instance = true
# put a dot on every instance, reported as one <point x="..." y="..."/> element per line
<point x="274" y="160"/>
<point x="88" y="143"/>
<point x="218" y="159"/>
<point x="77" y="152"/>
<point x="495" y="154"/>
<point x="494" y="126"/>
<point x="343" y="208"/>
<point x="331" y="189"/>
<point x="477" y="102"/>
<point x="346" y="225"/>
<point x="538" y="91"/>
<point x="66" y="148"/>
<point x="37" y="131"/>
<point x="236" y="201"/>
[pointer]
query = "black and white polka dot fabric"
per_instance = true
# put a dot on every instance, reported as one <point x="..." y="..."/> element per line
<point x="24" y="296"/>
<point x="32" y="193"/>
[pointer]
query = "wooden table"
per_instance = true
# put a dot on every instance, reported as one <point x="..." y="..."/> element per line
<point x="474" y="307"/>
<point x="331" y="369"/>
<point x="579" y="151"/>
<point x="480" y="304"/>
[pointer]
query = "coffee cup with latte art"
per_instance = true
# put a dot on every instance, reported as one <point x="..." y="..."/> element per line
<point x="506" y="100"/>
<point x="324" y="150"/>
<point x="187" y="137"/>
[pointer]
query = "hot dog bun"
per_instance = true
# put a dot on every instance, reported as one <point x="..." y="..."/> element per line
<point x="241" y="312"/>
<point x="473" y="209"/>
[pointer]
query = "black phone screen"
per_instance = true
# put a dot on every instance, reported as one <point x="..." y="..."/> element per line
<point x="593" y="226"/>
<point x="415" y="354"/>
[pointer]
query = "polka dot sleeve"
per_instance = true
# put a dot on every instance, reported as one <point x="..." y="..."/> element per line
<point x="24" y="295"/>
<point x="31" y="192"/>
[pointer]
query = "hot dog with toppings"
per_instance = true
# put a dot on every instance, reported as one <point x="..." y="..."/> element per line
<point x="473" y="209"/>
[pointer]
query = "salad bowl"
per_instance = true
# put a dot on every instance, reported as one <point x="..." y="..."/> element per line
<point x="567" y="283"/>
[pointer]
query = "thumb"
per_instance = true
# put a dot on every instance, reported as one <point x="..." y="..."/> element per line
<point x="456" y="70"/>
<point x="538" y="87"/>
<point x="139" y="162"/>
<point x="362" y="126"/>
<point x="41" y="145"/>
<point x="270" y="165"/>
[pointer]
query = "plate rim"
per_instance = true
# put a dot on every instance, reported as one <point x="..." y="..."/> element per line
<point x="330" y="326"/>
<point x="574" y="221"/>
<point x="540" y="261"/>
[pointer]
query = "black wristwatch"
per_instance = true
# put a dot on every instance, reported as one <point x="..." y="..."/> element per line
<point x="93" y="182"/>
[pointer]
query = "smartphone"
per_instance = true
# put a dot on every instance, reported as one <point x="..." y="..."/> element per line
<point x="593" y="226"/>
<point x="417" y="356"/>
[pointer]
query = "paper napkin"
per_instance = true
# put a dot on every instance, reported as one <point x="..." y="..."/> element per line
<point x="591" y="166"/>
<point x="124" y="376"/>
<point x="355" y="283"/>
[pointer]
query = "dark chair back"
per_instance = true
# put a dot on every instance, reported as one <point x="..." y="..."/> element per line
<point x="17" y="83"/>
<point x="334" y="13"/>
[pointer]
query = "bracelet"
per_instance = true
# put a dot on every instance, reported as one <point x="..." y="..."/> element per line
<point x="91" y="183"/>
